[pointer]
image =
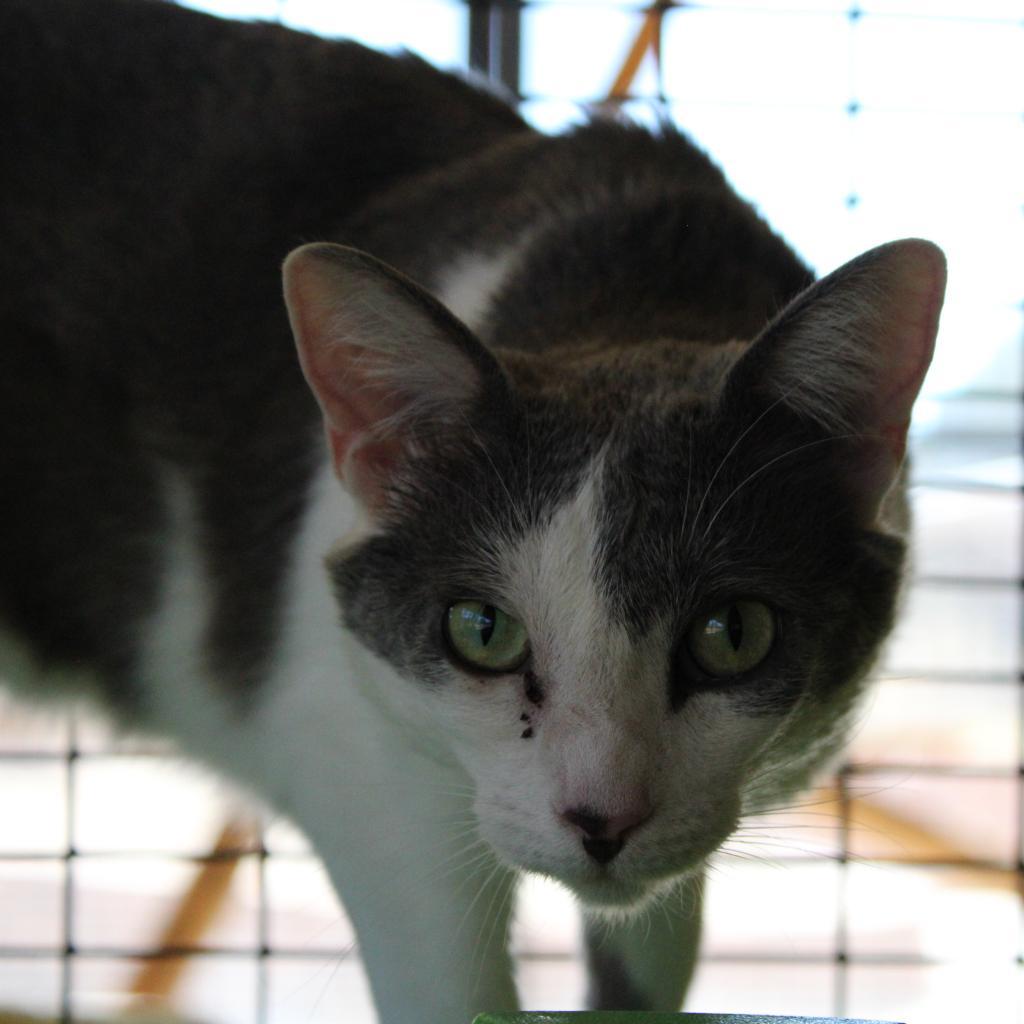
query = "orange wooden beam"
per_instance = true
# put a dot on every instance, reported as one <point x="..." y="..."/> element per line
<point x="647" y="39"/>
<point x="158" y="978"/>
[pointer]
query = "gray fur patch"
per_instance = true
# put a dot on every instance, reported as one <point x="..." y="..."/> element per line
<point x="610" y="986"/>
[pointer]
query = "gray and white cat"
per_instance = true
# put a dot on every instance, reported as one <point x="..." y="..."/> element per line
<point x="605" y="535"/>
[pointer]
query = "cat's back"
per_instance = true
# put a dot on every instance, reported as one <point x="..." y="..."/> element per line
<point x="138" y="132"/>
<point x="159" y="163"/>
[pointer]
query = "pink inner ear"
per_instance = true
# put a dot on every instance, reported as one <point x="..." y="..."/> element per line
<point x="365" y="464"/>
<point x="340" y="374"/>
<point x="354" y="409"/>
<point x="910" y="324"/>
<point x="913" y="311"/>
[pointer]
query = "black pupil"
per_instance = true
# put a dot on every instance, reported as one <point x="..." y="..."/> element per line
<point x="734" y="624"/>
<point x="487" y="617"/>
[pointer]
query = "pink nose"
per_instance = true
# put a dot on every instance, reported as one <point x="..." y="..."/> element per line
<point x="604" y="835"/>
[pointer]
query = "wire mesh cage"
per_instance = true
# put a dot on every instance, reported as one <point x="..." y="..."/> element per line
<point x="893" y="890"/>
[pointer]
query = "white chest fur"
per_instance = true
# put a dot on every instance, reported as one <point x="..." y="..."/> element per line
<point x="391" y="822"/>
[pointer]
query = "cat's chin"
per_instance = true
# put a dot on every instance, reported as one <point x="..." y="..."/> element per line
<point x="616" y="896"/>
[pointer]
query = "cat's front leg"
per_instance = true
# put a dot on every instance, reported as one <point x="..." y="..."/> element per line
<point x="429" y="902"/>
<point x="646" y="961"/>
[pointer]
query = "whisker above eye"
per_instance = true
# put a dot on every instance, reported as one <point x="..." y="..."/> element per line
<point x="762" y="469"/>
<point x="725" y="458"/>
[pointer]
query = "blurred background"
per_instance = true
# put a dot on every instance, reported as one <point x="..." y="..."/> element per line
<point x="892" y="891"/>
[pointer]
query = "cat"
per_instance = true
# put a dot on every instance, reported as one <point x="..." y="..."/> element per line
<point x="563" y="536"/>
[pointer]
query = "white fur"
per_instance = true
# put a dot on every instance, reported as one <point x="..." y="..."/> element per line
<point x="371" y="789"/>
<point x="179" y="694"/>
<point x="468" y="286"/>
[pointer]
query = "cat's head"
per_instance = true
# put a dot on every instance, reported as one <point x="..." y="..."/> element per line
<point x="635" y="587"/>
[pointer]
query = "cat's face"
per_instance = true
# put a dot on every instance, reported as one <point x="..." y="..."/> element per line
<point x="630" y="623"/>
<point x="635" y="589"/>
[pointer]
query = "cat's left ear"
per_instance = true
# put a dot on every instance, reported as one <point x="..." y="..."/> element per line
<point x="388" y="363"/>
<point x="850" y="354"/>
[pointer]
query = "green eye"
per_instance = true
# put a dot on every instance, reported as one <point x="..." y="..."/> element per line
<point x="733" y="638"/>
<point x="485" y="636"/>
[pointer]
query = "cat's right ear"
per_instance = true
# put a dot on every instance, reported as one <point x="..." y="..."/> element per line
<point x="850" y="354"/>
<point x="388" y="363"/>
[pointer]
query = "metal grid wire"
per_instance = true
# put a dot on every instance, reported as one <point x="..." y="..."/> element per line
<point x="919" y="820"/>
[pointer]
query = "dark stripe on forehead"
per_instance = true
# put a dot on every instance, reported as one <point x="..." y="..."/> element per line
<point x="645" y="479"/>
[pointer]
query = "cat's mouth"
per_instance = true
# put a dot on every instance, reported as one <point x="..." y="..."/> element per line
<point x="620" y="888"/>
<point x="610" y="888"/>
